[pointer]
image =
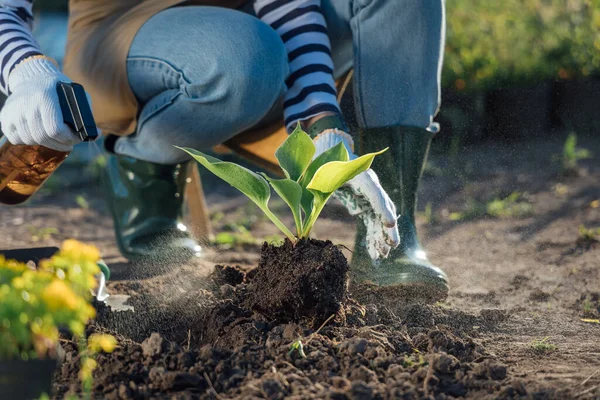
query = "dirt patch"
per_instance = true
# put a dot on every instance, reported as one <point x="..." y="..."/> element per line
<point x="370" y="351"/>
<point x="358" y="367"/>
<point x="514" y="281"/>
<point x="302" y="281"/>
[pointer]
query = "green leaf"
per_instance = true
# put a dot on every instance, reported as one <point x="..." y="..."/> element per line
<point x="254" y="186"/>
<point x="291" y="192"/>
<point x="328" y="179"/>
<point x="336" y="153"/>
<point x="251" y="184"/>
<point x="307" y="201"/>
<point x="331" y="176"/>
<point x="295" y="153"/>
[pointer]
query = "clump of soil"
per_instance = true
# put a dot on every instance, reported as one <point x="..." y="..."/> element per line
<point x="306" y="280"/>
<point x="302" y="282"/>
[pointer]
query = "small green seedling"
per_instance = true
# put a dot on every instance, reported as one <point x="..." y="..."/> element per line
<point x="572" y="154"/>
<point x="236" y="238"/>
<point x="542" y="346"/>
<point x="82" y="202"/>
<point x="38" y="234"/>
<point x="297" y="347"/>
<point x="414" y="360"/>
<point x="308" y="183"/>
<point x="590" y="234"/>
<point x="588" y="237"/>
<point x="587" y="307"/>
<point x="511" y="206"/>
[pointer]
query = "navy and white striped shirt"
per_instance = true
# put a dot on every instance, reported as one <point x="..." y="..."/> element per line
<point x="299" y="23"/>
<point x="302" y="27"/>
<point x="16" y="40"/>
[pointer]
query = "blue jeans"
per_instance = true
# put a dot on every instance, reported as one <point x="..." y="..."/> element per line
<point x="205" y="74"/>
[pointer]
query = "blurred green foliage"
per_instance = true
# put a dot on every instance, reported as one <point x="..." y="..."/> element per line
<point x="504" y="43"/>
<point x="515" y="42"/>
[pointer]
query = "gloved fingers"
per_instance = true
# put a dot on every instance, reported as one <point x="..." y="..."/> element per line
<point x="391" y="236"/>
<point x="377" y="246"/>
<point x="367" y="185"/>
<point x="58" y="145"/>
<point x="51" y="132"/>
<point x="13" y="123"/>
<point x="330" y="138"/>
<point x="355" y="204"/>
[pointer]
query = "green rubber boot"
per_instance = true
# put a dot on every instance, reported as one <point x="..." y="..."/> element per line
<point x="399" y="170"/>
<point x="146" y="203"/>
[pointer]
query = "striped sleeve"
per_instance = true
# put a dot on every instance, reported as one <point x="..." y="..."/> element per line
<point x="310" y="84"/>
<point x="16" y="41"/>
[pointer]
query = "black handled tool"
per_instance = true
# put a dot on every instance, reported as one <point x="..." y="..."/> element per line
<point x="76" y="110"/>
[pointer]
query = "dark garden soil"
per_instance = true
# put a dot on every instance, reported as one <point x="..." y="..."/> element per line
<point x="518" y="278"/>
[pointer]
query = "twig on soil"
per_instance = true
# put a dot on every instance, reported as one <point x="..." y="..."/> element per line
<point x="280" y="375"/>
<point x="587" y="391"/>
<point x="212" y="388"/>
<point x="189" y="338"/>
<point x="319" y="330"/>
<point x="345" y="247"/>
<point x="293" y="367"/>
<point x="589" y="377"/>
<point x="428" y="377"/>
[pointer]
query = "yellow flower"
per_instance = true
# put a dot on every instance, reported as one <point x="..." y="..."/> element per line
<point x="76" y="249"/>
<point x="57" y="295"/>
<point x="18" y="282"/>
<point x="98" y="341"/>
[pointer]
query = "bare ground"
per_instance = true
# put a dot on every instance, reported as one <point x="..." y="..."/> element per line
<point x="531" y="263"/>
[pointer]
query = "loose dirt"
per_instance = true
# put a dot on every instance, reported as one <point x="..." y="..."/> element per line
<point x="516" y="279"/>
<point x="302" y="282"/>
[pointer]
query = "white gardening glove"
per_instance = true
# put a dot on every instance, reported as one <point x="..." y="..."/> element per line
<point x="32" y="113"/>
<point x="364" y="197"/>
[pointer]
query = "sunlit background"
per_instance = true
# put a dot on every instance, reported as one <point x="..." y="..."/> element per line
<point x="512" y="67"/>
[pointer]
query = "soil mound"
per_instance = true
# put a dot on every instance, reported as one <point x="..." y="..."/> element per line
<point x="302" y="281"/>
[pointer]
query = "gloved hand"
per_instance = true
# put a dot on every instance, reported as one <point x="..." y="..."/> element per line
<point x="32" y="113"/>
<point x="364" y="197"/>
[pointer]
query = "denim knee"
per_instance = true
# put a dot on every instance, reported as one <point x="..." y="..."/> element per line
<point x="247" y="77"/>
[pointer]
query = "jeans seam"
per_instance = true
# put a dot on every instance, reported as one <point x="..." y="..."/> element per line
<point x="358" y="78"/>
<point x="170" y="70"/>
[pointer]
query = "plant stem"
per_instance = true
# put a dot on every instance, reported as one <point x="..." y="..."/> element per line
<point x="298" y="222"/>
<point x="314" y="214"/>
<point x="279" y="224"/>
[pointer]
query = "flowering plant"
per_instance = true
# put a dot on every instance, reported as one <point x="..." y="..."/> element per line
<point x="36" y="301"/>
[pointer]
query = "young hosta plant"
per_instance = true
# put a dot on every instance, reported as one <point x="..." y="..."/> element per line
<point x="308" y="184"/>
